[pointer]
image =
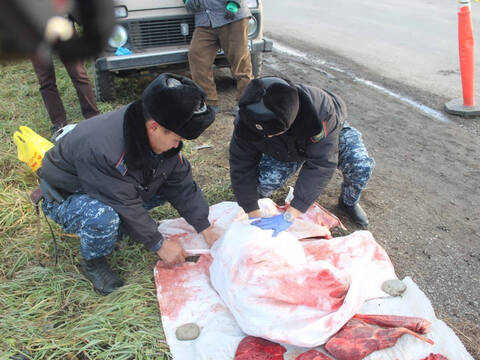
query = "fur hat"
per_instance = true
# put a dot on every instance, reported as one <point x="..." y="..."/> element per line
<point x="178" y="104"/>
<point x="268" y="106"/>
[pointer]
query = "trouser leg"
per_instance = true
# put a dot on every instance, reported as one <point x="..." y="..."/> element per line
<point x="354" y="163"/>
<point x="201" y="55"/>
<point x="93" y="221"/>
<point x="272" y="174"/>
<point x="77" y="72"/>
<point x="45" y="71"/>
<point x="234" y="42"/>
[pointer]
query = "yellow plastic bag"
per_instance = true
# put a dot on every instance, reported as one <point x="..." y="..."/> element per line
<point x="31" y="147"/>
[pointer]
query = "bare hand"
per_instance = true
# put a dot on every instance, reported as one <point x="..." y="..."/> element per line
<point x="171" y="252"/>
<point x="210" y="235"/>
<point x="295" y="212"/>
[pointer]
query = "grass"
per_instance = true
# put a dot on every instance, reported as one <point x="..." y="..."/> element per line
<point x="52" y="312"/>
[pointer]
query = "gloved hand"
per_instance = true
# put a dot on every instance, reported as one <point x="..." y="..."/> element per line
<point x="276" y="223"/>
<point x="231" y="9"/>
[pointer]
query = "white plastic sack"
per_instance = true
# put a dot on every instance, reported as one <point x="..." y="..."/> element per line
<point x="280" y="291"/>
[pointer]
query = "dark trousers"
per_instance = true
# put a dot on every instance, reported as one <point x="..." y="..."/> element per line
<point x="45" y="71"/>
<point x="233" y="39"/>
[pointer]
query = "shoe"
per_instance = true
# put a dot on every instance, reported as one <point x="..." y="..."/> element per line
<point x="235" y="110"/>
<point x="61" y="131"/>
<point x="355" y="212"/>
<point x="55" y="128"/>
<point x="104" y="280"/>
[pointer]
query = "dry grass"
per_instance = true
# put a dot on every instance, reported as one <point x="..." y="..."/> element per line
<point x="52" y="312"/>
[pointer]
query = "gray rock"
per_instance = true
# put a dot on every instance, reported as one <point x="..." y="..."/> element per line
<point x="394" y="287"/>
<point x="188" y="331"/>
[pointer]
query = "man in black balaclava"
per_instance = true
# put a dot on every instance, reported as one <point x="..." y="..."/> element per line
<point x="111" y="169"/>
<point x="283" y="127"/>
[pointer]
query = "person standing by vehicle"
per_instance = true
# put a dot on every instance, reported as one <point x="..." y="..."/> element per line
<point x="283" y="127"/>
<point x="111" y="169"/>
<point x="45" y="71"/>
<point x="219" y="24"/>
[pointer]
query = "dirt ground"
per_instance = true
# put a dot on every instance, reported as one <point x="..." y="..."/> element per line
<point x="423" y="199"/>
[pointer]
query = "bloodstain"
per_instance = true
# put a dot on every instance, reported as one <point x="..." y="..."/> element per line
<point x="314" y="291"/>
<point x="175" y="283"/>
<point x="435" y="357"/>
<point x="323" y="251"/>
<point x="255" y="348"/>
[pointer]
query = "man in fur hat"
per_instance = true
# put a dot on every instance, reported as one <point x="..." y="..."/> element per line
<point x="283" y="127"/>
<point x="113" y="168"/>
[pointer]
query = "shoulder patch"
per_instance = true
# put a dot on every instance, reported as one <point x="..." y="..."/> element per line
<point x="121" y="166"/>
<point x="318" y="137"/>
<point x="321" y="135"/>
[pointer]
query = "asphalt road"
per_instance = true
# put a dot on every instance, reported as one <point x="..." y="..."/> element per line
<point x="413" y="42"/>
<point x="423" y="198"/>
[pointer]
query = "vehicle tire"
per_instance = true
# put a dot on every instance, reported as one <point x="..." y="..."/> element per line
<point x="257" y="61"/>
<point x="104" y="85"/>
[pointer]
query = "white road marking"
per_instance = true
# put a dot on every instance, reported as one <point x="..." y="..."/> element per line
<point x="432" y="113"/>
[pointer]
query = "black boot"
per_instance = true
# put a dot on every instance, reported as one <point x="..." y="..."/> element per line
<point x="355" y="213"/>
<point x="98" y="271"/>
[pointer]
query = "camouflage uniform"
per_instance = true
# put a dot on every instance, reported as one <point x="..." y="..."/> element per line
<point x="353" y="161"/>
<point x="97" y="224"/>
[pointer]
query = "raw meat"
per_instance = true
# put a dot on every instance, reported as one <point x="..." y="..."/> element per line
<point x="413" y="323"/>
<point x="435" y="357"/>
<point x="255" y="348"/>
<point x="357" y="339"/>
<point x="312" y="355"/>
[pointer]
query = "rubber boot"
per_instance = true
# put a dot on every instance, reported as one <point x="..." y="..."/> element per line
<point x="355" y="212"/>
<point x="104" y="280"/>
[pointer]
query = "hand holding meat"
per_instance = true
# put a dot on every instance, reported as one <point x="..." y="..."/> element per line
<point x="171" y="252"/>
<point x="210" y="235"/>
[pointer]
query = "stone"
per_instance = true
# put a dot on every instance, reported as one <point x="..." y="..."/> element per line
<point x="394" y="287"/>
<point x="189" y="331"/>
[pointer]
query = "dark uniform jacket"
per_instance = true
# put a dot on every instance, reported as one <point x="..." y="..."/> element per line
<point x="91" y="159"/>
<point x="312" y="139"/>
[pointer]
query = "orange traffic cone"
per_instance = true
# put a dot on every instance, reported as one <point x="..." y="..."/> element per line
<point x="466" y="51"/>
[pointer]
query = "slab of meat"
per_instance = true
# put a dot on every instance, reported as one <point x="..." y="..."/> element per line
<point x="357" y="339"/>
<point x="413" y="323"/>
<point x="435" y="357"/>
<point x="255" y="348"/>
<point x="313" y="355"/>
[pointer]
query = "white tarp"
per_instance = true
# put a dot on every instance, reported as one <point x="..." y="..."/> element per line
<point x="185" y="294"/>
